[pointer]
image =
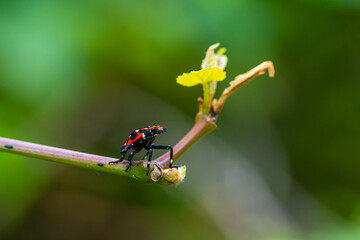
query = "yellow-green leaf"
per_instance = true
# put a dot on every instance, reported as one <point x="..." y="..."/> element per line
<point x="201" y="77"/>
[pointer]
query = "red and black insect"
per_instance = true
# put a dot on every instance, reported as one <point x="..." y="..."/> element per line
<point x="143" y="138"/>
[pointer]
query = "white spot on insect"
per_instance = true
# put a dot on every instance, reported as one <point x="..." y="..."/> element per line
<point x="143" y="136"/>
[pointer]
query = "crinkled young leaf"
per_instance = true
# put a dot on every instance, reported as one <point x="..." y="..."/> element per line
<point x="210" y="57"/>
<point x="213" y="59"/>
<point x="221" y="58"/>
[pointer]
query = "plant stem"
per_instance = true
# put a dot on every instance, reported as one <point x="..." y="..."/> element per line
<point x="62" y="155"/>
<point x="203" y="125"/>
<point x="207" y="99"/>
<point x="240" y="81"/>
<point x="138" y="169"/>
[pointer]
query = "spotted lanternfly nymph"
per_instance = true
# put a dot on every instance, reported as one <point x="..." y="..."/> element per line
<point x="143" y="138"/>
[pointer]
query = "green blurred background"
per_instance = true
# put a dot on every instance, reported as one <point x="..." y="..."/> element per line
<point x="283" y="164"/>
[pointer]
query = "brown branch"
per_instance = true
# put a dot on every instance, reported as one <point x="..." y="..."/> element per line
<point x="91" y="161"/>
<point x="158" y="170"/>
<point x="240" y="81"/>
<point x="54" y="154"/>
<point x="203" y="125"/>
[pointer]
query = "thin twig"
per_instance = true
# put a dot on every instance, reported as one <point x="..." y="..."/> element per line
<point x="202" y="126"/>
<point x="138" y="169"/>
<point x="240" y="81"/>
<point x="58" y="154"/>
<point x="90" y="161"/>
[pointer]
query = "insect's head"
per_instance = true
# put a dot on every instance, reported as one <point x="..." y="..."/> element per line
<point x="157" y="129"/>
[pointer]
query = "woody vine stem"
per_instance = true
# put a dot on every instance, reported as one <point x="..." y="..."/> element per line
<point x="212" y="71"/>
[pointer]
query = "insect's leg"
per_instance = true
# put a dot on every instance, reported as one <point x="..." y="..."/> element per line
<point x="131" y="155"/>
<point x="146" y="154"/>
<point x="148" y="163"/>
<point x="167" y="147"/>
<point x="119" y="160"/>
